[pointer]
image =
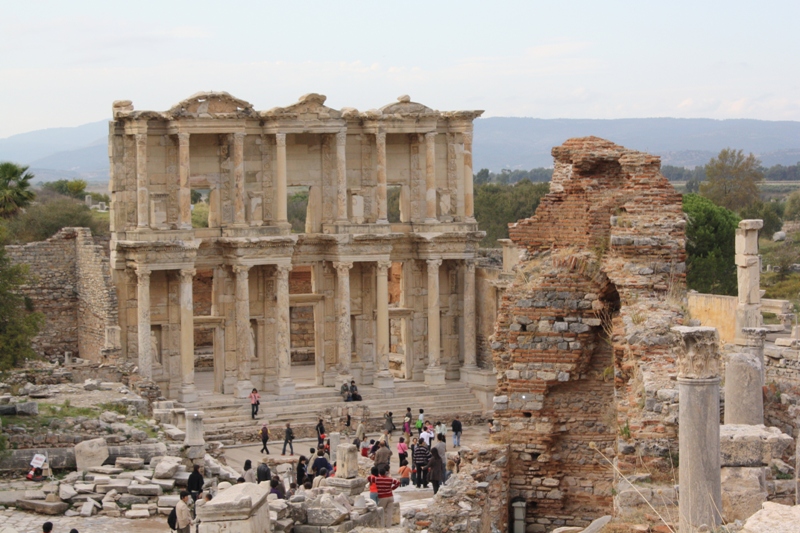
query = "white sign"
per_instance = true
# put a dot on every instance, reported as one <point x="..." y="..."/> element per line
<point x="38" y="460"/>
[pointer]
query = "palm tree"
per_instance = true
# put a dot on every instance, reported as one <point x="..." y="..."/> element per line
<point x="15" y="189"/>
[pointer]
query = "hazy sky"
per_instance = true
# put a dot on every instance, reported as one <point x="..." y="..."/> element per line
<point x="63" y="63"/>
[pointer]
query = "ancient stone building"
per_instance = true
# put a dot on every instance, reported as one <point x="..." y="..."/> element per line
<point x="583" y="347"/>
<point x="246" y="162"/>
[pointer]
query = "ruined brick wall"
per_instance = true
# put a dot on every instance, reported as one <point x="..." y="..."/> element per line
<point x="582" y="343"/>
<point x="53" y="289"/>
<point x="97" y="297"/>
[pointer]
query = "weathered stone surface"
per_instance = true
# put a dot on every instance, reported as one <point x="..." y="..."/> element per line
<point x="66" y="491"/>
<point x="137" y="513"/>
<point x="167" y="467"/>
<point x="90" y="453"/>
<point x="743" y="445"/>
<point x="43" y="507"/>
<point x="327" y="512"/>
<point x="168" y="501"/>
<point x="347" y="464"/>
<point x="88" y="508"/>
<point x="773" y="518"/>
<point x="145" y="490"/>
<point x="743" y="492"/>
<point x="27" y="409"/>
<point x="129" y="463"/>
<point x="84" y="488"/>
<point x="235" y="503"/>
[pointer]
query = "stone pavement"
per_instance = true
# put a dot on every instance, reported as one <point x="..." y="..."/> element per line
<point x="24" y="522"/>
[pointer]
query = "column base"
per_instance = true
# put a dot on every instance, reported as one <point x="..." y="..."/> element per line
<point x="434" y="377"/>
<point x="431" y="221"/>
<point x="285" y="388"/>
<point x="243" y="388"/>
<point x="383" y="380"/>
<point x="382" y="221"/>
<point x="187" y="394"/>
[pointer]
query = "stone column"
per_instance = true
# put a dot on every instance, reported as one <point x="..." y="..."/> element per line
<point x="142" y="183"/>
<point x="754" y="339"/>
<point x="343" y="333"/>
<point x="383" y="379"/>
<point x="744" y="397"/>
<point x="188" y="392"/>
<point x="748" y="272"/>
<point x="434" y="374"/>
<point x="285" y="383"/>
<point x="383" y="211"/>
<point x="700" y="499"/>
<point x="243" y="355"/>
<point x="280" y="184"/>
<point x="469" y="202"/>
<point x="430" y="178"/>
<point x="185" y="192"/>
<point x="143" y="321"/>
<point x="239" y="201"/>
<point x="194" y="429"/>
<point x="341" y="177"/>
<point x="470" y="359"/>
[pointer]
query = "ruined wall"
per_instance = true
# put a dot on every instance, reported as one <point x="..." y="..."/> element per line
<point x="716" y="311"/>
<point x="97" y="298"/>
<point x="486" y="294"/>
<point x="582" y="343"/>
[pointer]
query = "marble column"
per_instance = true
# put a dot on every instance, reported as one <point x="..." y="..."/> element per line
<point x="469" y="202"/>
<point x="470" y="359"/>
<point x="754" y="339"/>
<point x="285" y="383"/>
<point x="280" y="184"/>
<point x="700" y="498"/>
<point x="243" y="349"/>
<point x="188" y="392"/>
<point x="434" y="374"/>
<point x="383" y="379"/>
<point x="744" y="396"/>
<point x="143" y="322"/>
<point x="430" y="178"/>
<point x="142" y="182"/>
<point x="383" y="211"/>
<point x="341" y="177"/>
<point x="185" y="192"/>
<point x="239" y="201"/>
<point x="748" y="272"/>
<point x="343" y="333"/>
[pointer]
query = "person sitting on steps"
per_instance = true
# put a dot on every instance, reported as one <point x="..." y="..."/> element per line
<point x="354" y="395"/>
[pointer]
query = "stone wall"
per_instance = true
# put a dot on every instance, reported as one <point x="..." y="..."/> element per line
<point x="582" y="344"/>
<point x="97" y="298"/>
<point x="302" y="333"/>
<point x="716" y="311"/>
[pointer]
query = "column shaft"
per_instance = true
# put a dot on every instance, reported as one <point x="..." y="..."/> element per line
<point x="185" y="192"/>
<point x="430" y="178"/>
<point x="470" y="360"/>
<point x="341" y="177"/>
<point x="143" y="322"/>
<point x="433" y="313"/>
<point x="380" y="143"/>
<point x="238" y="179"/>
<point x="188" y="393"/>
<point x="142" y="183"/>
<point x="382" y="314"/>
<point x="243" y="351"/>
<point x="285" y="383"/>
<point x="469" y="202"/>
<point x="343" y="333"/>
<point x="280" y="184"/>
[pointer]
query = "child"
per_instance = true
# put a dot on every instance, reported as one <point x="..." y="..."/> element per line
<point x="405" y="473"/>
<point x="373" y="485"/>
<point x="365" y="446"/>
<point x="292" y="490"/>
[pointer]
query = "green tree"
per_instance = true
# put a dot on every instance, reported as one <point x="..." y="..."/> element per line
<point x="710" y="246"/>
<point x="42" y="221"/>
<point x="482" y="177"/>
<point x="792" y="210"/>
<point x="74" y="188"/>
<point x="18" y="323"/>
<point x="769" y="212"/>
<point x="196" y="196"/>
<point x="15" y="189"/>
<point x="732" y="179"/>
<point x="497" y="205"/>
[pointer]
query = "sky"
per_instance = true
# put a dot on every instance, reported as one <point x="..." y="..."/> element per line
<point x="64" y="63"/>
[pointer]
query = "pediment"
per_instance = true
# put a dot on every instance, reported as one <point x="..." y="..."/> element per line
<point x="212" y="105"/>
<point x="404" y="106"/>
<point x="309" y="106"/>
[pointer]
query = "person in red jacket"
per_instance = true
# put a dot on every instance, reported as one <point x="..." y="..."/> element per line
<point x="386" y="484"/>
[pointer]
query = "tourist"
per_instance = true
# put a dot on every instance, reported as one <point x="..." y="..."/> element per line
<point x="344" y="390"/>
<point x="264" y="434"/>
<point x="361" y="433"/>
<point x="320" y="427"/>
<point x="441" y="429"/>
<point x="386" y="484"/>
<point x="346" y="430"/>
<point x="383" y="455"/>
<point x="421" y="457"/>
<point x="365" y="446"/>
<point x="327" y="449"/>
<point x="288" y="437"/>
<point x="320" y="464"/>
<point x="249" y="473"/>
<point x="255" y="401"/>
<point x="407" y="425"/>
<point x="240" y="480"/>
<point x="73" y="530"/>
<point x="426" y="436"/>
<point x="402" y="450"/>
<point x="195" y="483"/>
<point x="280" y="486"/>
<point x="263" y="473"/>
<point x="435" y="470"/>
<point x="420" y="421"/>
<point x="354" y="391"/>
<point x="320" y="480"/>
<point x="456" y="427"/>
<point x="388" y="424"/>
<point x="405" y="473"/>
<point x="273" y="488"/>
<point x="372" y="479"/>
<point x="183" y="514"/>
<point x="450" y="469"/>
<point x="442" y="448"/>
<point x="47" y="527"/>
<point x="302" y="470"/>
<point x="292" y="490"/>
<point x="373" y="448"/>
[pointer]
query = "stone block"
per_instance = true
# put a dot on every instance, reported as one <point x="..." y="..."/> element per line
<point x="167" y="467"/>
<point x="235" y="503"/>
<point x="28" y="409"/>
<point x="773" y="518"/>
<point x="351" y="487"/>
<point x="145" y="490"/>
<point x="138" y="513"/>
<point x="34" y="495"/>
<point x="743" y="492"/>
<point x="347" y="464"/>
<point x="90" y="453"/>
<point x="43" y="507"/>
<point x="105" y="470"/>
<point x="168" y="501"/>
<point x="327" y="512"/>
<point x="742" y="445"/>
<point x="131" y="499"/>
<point x="88" y="509"/>
<point x="165" y="484"/>
<point x="66" y="491"/>
<point x="84" y="488"/>
<point x="129" y="463"/>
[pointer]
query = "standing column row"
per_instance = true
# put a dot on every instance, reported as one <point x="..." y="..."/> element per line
<point x="434" y="374"/>
<point x="243" y="349"/>
<point x="239" y="218"/>
<point x="285" y="383"/>
<point x="341" y="177"/>
<point x="470" y="360"/>
<point x="142" y="182"/>
<point x="383" y="379"/>
<point x="469" y="201"/>
<point x="185" y="192"/>
<point x="430" y="178"/>
<point x="280" y="184"/>
<point x="380" y="144"/>
<point x="343" y="330"/>
<point x="143" y="322"/>
<point x="188" y="391"/>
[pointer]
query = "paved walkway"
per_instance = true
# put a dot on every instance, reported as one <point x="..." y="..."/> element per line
<point x="23" y="522"/>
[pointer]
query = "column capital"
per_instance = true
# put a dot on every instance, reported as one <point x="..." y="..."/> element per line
<point x="280" y="139"/>
<point x="342" y="267"/>
<point x="434" y="262"/>
<point x="341" y="137"/>
<point x="187" y="275"/>
<point x="283" y="270"/>
<point x="380" y="137"/>
<point x="241" y="269"/>
<point x="238" y="136"/>
<point x="430" y="136"/>
<point x="384" y="266"/>
<point x="467" y="137"/>
<point x="183" y="137"/>
<point x="470" y="264"/>
<point x="143" y="272"/>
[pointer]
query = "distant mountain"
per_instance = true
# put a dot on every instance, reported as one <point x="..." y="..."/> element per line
<point x="499" y="142"/>
<point x="525" y="143"/>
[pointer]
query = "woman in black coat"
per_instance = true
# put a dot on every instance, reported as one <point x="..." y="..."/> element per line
<point x="302" y="468"/>
<point x="434" y="467"/>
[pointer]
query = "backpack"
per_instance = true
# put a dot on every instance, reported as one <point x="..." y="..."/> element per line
<point x="418" y="424"/>
<point x="172" y="519"/>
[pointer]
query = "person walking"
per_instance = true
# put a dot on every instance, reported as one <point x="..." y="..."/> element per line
<point x="383" y="455"/>
<point x="435" y="470"/>
<point x="421" y="458"/>
<point x="441" y="447"/>
<point x="302" y="470"/>
<point x="255" y="401"/>
<point x="347" y="420"/>
<point x="386" y="484"/>
<point x="402" y="450"/>
<point x="288" y="437"/>
<point x="407" y="425"/>
<point x="441" y="429"/>
<point x="457" y="428"/>
<point x="320" y="427"/>
<point x="361" y="433"/>
<point x="420" y="424"/>
<point x="263" y="473"/>
<point x="249" y="474"/>
<point x="195" y="482"/>
<point x="388" y="423"/>
<point x="264" y="434"/>
<point x="183" y="514"/>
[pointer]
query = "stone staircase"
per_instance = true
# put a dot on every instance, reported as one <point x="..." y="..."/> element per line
<point x="227" y="419"/>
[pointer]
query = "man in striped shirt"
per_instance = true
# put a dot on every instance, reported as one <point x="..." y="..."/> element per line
<point x="386" y="484"/>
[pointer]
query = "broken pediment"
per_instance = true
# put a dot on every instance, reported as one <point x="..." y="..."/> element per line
<point x="404" y="106"/>
<point x="211" y="105"/>
<point x="309" y="106"/>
